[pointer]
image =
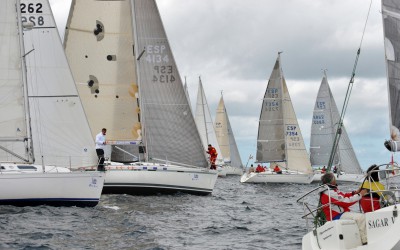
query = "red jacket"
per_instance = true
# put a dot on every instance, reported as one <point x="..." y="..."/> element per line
<point x="340" y="202"/>
<point x="212" y="151"/>
<point x="260" y="169"/>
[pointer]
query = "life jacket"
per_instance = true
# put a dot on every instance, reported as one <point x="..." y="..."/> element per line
<point x="339" y="202"/>
<point x="213" y="152"/>
<point x="365" y="201"/>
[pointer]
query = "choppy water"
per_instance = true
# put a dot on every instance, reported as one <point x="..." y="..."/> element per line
<point x="235" y="216"/>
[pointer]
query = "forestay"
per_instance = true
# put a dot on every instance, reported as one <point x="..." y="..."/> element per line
<point x="323" y="128"/>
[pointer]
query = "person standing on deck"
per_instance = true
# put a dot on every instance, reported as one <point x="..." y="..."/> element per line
<point x="100" y="146"/>
<point x="213" y="156"/>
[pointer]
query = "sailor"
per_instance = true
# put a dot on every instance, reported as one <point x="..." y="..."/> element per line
<point x="259" y="169"/>
<point x="340" y="202"/>
<point x="371" y="182"/>
<point x="213" y="156"/>
<point x="277" y="170"/>
<point x="100" y="146"/>
<point x="251" y="169"/>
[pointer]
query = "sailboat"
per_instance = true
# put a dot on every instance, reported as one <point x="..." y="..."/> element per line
<point x="205" y="125"/>
<point x="279" y="140"/>
<point x="226" y="141"/>
<point x="43" y="129"/>
<point x="323" y="128"/>
<point x="129" y="83"/>
<point x="382" y="225"/>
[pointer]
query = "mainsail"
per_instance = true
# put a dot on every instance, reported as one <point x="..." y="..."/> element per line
<point x="225" y="137"/>
<point x="54" y="113"/>
<point x="391" y="30"/>
<point x="128" y="79"/>
<point x="323" y="128"/>
<point x="13" y="108"/>
<point x="279" y="137"/>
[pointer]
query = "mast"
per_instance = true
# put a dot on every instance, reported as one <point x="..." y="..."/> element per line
<point x="346" y="100"/>
<point x="139" y="52"/>
<point x="25" y="84"/>
<point x="283" y="104"/>
<point x="204" y="112"/>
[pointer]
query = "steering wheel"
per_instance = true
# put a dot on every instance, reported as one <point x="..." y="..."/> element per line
<point x="387" y="198"/>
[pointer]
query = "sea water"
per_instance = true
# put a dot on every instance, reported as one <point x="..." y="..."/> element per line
<point x="235" y="216"/>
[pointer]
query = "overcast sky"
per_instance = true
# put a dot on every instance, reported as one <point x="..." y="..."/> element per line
<point x="233" y="44"/>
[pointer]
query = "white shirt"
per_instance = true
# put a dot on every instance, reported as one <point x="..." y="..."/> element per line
<point x="100" y="139"/>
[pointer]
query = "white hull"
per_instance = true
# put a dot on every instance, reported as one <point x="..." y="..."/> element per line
<point x="271" y="177"/>
<point x="233" y="171"/>
<point x="148" y="178"/>
<point x="55" y="187"/>
<point x="222" y="171"/>
<point x="382" y="230"/>
<point x="358" y="178"/>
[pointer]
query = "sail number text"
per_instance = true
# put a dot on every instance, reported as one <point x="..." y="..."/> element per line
<point x="163" y="74"/>
<point x="318" y="119"/>
<point x="157" y="54"/>
<point x="272" y="106"/>
<point x="294" y="140"/>
<point x="320" y="105"/>
<point x="32" y="8"/>
<point x="272" y="93"/>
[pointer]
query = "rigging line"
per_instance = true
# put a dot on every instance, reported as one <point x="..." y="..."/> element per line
<point x="346" y="100"/>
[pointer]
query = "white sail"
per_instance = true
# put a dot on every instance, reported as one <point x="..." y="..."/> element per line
<point x="323" y="128"/>
<point x="13" y="122"/>
<point x="225" y="137"/>
<point x="60" y="133"/>
<point x="136" y="93"/>
<point x="279" y="136"/>
<point x="129" y="83"/>
<point x="391" y="30"/>
<point x="104" y="66"/>
<point x="169" y="128"/>
<point x="41" y="117"/>
<point x="205" y="124"/>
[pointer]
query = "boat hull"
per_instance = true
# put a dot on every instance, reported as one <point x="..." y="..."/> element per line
<point x="382" y="232"/>
<point x="270" y="177"/>
<point x="233" y="171"/>
<point x="222" y="171"/>
<point x="81" y="189"/>
<point x="156" y="179"/>
<point x="358" y="178"/>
